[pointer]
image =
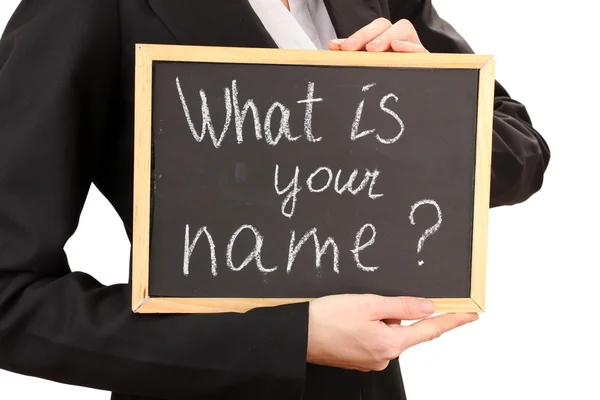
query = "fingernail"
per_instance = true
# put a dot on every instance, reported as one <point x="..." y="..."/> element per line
<point x="474" y="317"/>
<point x="349" y="43"/>
<point x="375" y="43"/>
<point x="427" y="306"/>
<point x="337" y="41"/>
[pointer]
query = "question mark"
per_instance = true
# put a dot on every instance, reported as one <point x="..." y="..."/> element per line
<point x="430" y="231"/>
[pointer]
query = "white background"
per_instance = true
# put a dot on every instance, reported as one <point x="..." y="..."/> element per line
<point x="539" y="337"/>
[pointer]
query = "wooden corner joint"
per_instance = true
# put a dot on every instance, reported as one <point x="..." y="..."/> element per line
<point x="141" y="304"/>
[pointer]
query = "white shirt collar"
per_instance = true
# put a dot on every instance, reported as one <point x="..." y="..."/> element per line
<point x="306" y="26"/>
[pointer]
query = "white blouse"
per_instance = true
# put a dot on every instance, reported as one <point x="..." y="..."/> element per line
<point x="305" y="26"/>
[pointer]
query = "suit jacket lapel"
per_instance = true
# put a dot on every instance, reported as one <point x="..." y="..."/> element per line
<point x="213" y="22"/>
<point x="348" y="16"/>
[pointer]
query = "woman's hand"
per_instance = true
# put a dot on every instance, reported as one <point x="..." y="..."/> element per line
<point x="361" y="332"/>
<point x="382" y="35"/>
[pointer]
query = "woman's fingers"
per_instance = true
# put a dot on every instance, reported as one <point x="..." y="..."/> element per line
<point x="380" y="36"/>
<point x="360" y="38"/>
<point x="392" y="39"/>
<point x="401" y="46"/>
<point x="335" y="44"/>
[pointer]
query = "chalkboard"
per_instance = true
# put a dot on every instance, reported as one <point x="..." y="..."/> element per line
<point x="266" y="176"/>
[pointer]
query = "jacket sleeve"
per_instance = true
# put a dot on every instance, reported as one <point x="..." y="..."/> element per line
<point x="59" y="68"/>
<point x="520" y="155"/>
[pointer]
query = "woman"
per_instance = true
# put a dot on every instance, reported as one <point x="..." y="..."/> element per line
<point x="66" y="121"/>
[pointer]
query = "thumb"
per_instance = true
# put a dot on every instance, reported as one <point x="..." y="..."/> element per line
<point x="431" y="328"/>
<point x="402" y="308"/>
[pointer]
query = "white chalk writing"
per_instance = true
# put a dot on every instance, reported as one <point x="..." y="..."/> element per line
<point x="429" y="231"/>
<point x="254" y="254"/>
<point x="240" y="115"/>
<point x="308" y="112"/>
<point x="360" y="247"/>
<point x="309" y="181"/>
<point x="292" y="188"/>
<point x="393" y="114"/>
<point x="284" y="124"/>
<point x="291" y="191"/>
<point x="319" y="250"/>
<point x="189" y="248"/>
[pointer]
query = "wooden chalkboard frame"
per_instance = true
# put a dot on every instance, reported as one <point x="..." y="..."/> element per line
<point x="147" y="54"/>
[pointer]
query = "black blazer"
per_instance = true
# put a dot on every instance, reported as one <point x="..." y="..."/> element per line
<point x="66" y="121"/>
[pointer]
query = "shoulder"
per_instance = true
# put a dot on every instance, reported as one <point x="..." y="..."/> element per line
<point x="68" y="39"/>
<point x="67" y="16"/>
<point x="66" y="28"/>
